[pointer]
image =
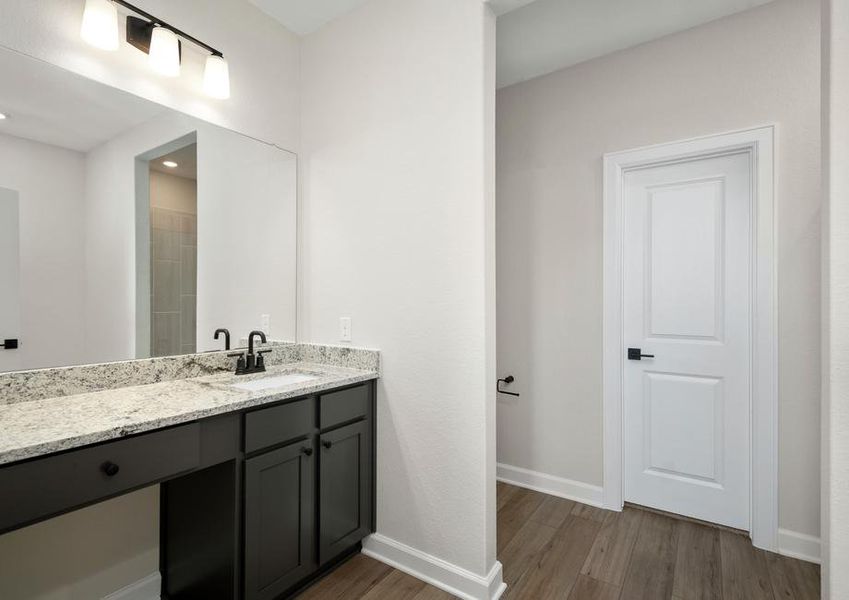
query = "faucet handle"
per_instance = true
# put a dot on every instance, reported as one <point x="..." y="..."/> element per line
<point x="260" y="359"/>
<point x="241" y="367"/>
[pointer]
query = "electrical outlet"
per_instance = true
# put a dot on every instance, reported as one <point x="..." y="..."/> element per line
<point x="265" y="323"/>
<point x="345" y="329"/>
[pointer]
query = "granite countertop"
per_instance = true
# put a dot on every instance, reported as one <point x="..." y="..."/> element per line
<point x="39" y="427"/>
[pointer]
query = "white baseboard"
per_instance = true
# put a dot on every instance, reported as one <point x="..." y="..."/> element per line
<point x="799" y="545"/>
<point x="549" y="484"/>
<point x="147" y="588"/>
<point x="435" y="571"/>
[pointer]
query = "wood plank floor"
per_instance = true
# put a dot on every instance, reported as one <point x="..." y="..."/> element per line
<point x="553" y="548"/>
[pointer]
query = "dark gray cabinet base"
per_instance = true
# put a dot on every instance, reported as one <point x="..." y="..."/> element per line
<point x="254" y="504"/>
<point x="345" y="498"/>
<point x="279" y="520"/>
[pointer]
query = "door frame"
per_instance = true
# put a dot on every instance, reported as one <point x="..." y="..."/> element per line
<point x="759" y="144"/>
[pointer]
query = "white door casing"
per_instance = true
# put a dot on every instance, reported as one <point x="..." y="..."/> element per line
<point x="756" y="146"/>
<point x="686" y="303"/>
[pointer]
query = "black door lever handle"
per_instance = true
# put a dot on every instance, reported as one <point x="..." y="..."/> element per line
<point x="637" y="354"/>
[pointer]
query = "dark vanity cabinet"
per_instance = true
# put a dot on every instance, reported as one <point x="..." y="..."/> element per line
<point x="345" y="499"/>
<point x="279" y="520"/>
<point x="282" y="493"/>
<point x="308" y="487"/>
<point x="254" y="504"/>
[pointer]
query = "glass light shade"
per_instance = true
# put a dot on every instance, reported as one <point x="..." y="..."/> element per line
<point x="216" y="77"/>
<point x="164" y="55"/>
<point x="100" y="24"/>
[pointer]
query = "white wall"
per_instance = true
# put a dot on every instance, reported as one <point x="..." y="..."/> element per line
<point x="397" y="234"/>
<point x="263" y="58"/>
<point x="50" y="182"/>
<point x="246" y="231"/>
<point x="751" y="69"/>
<point x="110" y="235"/>
<point x="835" y="418"/>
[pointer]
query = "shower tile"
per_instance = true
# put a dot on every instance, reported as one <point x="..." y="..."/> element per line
<point x="166" y="286"/>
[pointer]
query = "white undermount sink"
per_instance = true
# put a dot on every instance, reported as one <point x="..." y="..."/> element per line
<point x="267" y="383"/>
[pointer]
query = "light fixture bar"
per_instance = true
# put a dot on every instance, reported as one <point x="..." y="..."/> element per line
<point x="157" y="21"/>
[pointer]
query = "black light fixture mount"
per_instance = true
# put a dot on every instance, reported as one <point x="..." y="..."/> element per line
<point x="140" y="29"/>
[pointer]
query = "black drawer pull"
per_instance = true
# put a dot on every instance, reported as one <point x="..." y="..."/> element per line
<point x="110" y="468"/>
<point x="327" y="443"/>
<point x="306" y="451"/>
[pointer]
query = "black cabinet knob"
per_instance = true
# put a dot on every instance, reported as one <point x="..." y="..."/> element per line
<point x="110" y="468"/>
<point x="327" y="443"/>
<point x="306" y="451"/>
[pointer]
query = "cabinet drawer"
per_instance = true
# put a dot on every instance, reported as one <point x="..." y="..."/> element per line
<point x="278" y="424"/>
<point x="48" y="486"/>
<point x="343" y="406"/>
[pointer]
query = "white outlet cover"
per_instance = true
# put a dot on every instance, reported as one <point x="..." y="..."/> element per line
<point x="345" y="329"/>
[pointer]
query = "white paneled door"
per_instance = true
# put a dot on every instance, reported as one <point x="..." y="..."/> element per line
<point x="687" y="285"/>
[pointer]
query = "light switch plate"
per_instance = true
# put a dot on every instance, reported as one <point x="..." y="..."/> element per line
<point x="265" y="323"/>
<point x="345" y="329"/>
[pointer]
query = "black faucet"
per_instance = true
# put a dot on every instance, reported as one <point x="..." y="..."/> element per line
<point x="251" y="337"/>
<point x="226" y="333"/>
<point x="251" y="362"/>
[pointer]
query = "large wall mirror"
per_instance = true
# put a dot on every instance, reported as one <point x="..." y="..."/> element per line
<point x="129" y="230"/>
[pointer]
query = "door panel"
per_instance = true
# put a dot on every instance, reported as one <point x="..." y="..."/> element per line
<point x="684" y="272"/>
<point x="344" y="489"/>
<point x="683" y="437"/>
<point x="279" y="520"/>
<point x="687" y="302"/>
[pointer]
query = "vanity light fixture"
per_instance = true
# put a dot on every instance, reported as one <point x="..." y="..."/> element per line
<point x="155" y="37"/>
<point x="216" y="77"/>
<point x="3" y="117"/>
<point x="170" y="164"/>
<point x="100" y="24"/>
<point x="164" y="53"/>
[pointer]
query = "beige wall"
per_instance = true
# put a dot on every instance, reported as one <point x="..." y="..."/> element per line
<point x="757" y="67"/>
<point x="172" y="192"/>
<point x="83" y="555"/>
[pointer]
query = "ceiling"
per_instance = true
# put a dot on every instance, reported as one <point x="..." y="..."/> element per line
<point x="186" y="159"/>
<point x="50" y="105"/>
<point x="536" y="37"/>
<point x="543" y="36"/>
<point x="305" y="16"/>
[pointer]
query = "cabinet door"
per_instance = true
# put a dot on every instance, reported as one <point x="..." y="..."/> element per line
<point x="279" y="520"/>
<point x="345" y="489"/>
